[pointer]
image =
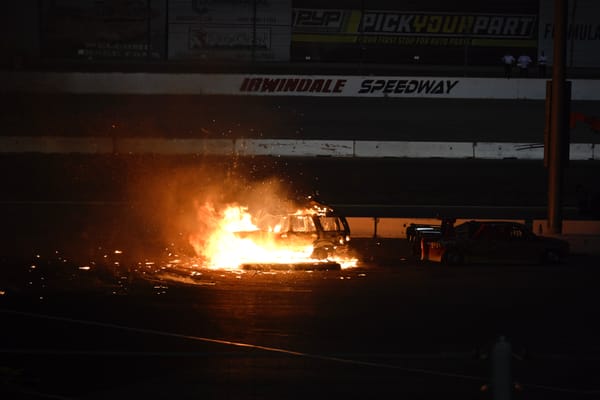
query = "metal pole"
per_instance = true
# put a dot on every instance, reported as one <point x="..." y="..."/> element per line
<point x="557" y="119"/>
<point x="502" y="385"/>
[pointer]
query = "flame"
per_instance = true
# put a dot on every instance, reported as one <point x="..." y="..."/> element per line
<point x="232" y="237"/>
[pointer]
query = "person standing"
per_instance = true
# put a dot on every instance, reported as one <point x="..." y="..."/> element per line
<point x="523" y="63"/>
<point x="542" y="62"/>
<point x="508" y="61"/>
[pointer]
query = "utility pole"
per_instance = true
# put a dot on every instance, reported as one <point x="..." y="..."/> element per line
<point x="558" y="120"/>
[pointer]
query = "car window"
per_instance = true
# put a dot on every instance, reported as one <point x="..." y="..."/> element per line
<point x="271" y="223"/>
<point x="517" y="233"/>
<point x="329" y="223"/>
<point x="466" y="230"/>
<point x="302" y="223"/>
<point x="484" y="232"/>
<point x="502" y="232"/>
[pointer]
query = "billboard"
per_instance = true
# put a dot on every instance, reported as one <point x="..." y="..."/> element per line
<point x="229" y="30"/>
<point x="435" y="35"/>
<point x="102" y="29"/>
<point x="583" y="32"/>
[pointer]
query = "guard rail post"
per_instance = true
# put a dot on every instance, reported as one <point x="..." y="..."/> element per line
<point x="501" y="370"/>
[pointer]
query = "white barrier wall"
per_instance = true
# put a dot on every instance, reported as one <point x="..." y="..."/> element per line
<point x="287" y="148"/>
<point x="221" y="147"/>
<point x="55" y="144"/>
<point x="413" y="149"/>
<point x="525" y="151"/>
<point x="288" y="85"/>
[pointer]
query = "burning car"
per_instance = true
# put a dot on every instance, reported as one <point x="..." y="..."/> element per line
<point x="314" y="226"/>
<point x="285" y="235"/>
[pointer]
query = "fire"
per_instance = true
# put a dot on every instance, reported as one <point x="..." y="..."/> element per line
<point x="233" y="237"/>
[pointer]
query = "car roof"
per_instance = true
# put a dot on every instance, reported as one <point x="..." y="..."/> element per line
<point x="499" y="223"/>
<point x="474" y="224"/>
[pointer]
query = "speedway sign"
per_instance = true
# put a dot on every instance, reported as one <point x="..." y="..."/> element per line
<point x="348" y="86"/>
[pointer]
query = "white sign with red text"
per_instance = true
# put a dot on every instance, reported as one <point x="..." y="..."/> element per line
<point x="288" y="85"/>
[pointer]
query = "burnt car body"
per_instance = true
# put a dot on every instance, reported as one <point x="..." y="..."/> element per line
<point x="314" y="225"/>
<point x="502" y="242"/>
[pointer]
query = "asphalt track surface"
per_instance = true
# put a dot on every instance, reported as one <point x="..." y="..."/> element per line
<point x="403" y="331"/>
<point x="391" y="328"/>
<point x="301" y="118"/>
<point x="133" y="326"/>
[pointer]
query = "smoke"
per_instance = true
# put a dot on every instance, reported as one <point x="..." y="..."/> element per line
<point x="177" y="204"/>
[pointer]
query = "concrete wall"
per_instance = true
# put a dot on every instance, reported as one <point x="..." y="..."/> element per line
<point x="288" y="85"/>
<point x="287" y="148"/>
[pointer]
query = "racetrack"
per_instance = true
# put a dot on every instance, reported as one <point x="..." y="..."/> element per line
<point x="303" y="118"/>
<point x="404" y="330"/>
<point x="96" y="190"/>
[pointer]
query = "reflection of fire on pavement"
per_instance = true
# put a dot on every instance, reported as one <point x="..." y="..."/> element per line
<point x="283" y="237"/>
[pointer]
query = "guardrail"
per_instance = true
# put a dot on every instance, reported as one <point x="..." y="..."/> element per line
<point x="286" y="148"/>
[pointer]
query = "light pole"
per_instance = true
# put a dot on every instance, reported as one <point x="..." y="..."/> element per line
<point x="558" y="120"/>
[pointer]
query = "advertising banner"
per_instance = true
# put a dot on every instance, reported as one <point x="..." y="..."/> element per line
<point x="229" y="30"/>
<point x="102" y="29"/>
<point x="400" y="36"/>
<point x="395" y="27"/>
<point x="583" y="32"/>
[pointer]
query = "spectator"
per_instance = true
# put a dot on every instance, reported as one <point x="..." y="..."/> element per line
<point x="508" y="61"/>
<point x="523" y="63"/>
<point x="542" y="62"/>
